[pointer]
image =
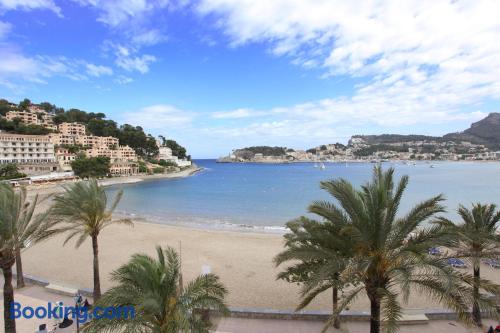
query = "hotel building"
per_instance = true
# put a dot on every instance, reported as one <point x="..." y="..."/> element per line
<point x="33" y="154"/>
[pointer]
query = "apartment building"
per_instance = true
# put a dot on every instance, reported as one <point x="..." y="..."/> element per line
<point x="124" y="169"/>
<point x="164" y="153"/>
<point x="32" y="153"/>
<point x="71" y="129"/>
<point x="61" y="139"/>
<point x="64" y="158"/>
<point x="120" y="154"/>
<point x="25" y="116"/>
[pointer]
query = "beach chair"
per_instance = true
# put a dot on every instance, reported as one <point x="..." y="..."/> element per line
<point x="434" y="251"/>
<point x="493" y="263"/>
<point x="457" y="263"/>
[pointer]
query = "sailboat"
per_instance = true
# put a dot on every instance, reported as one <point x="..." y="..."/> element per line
<point x="315" y="165"/>
<point x="322" y="166"/>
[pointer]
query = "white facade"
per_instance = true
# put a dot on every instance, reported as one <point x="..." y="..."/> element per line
<point x="26" y="149"/>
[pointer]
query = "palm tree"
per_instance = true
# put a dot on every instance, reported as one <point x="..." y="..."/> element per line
<point x="389" y="253"/>
<point x="315" y="248"/>
<point x="83" y="210"/>
<point x="18" y="229"/>
<point x="475" y="239"/>
<point x="152" y="287"/>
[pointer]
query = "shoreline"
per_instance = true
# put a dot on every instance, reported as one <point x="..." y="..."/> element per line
<point x="57" y="187"/>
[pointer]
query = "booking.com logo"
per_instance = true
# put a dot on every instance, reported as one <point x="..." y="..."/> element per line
<point x="59" y="312"/>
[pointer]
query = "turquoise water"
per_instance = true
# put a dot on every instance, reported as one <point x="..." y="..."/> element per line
<point x="260" y="196"/>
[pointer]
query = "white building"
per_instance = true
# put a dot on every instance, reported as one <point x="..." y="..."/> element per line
<point x="32" y="153"/>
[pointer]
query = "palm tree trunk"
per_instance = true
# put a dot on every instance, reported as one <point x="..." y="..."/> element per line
<point x="19" y="270"/>
<point x="97" y="281"/>
<point x="374" y="314"/>
<point x="476" y="311"/>
<point x="335" y="303"/>
<point x="8" y="299"/>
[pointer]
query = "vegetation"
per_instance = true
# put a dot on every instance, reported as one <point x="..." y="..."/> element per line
<point x="387" y="254"/>
<point x="82" y="212"/>
<point x="309" y="244"/>
<point x="249" y="152"/>
<point x="159" y="170"/>
<point x="91" y="167"/>
<point x="16" y="126"/>
<point x="475" y="239"/>
<point x="177" y="150"/>
<point x="142" y="167"/>
<point x="153" y="286"/>
<point x="380" y="147"/>
<point x="19" y="228"/>
<point x="73" y="149"/>
<point x="4" y="107"/>
<point x="10" y="171"/>
<point x="164" y="163"/>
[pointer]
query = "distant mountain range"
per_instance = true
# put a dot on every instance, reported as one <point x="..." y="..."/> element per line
<point x="485" y="132"/>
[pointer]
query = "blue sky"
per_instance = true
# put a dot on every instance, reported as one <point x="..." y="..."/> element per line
<point x="222" y="74"/>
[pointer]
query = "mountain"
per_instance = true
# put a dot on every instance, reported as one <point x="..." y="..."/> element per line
<point x="485" y="131"/>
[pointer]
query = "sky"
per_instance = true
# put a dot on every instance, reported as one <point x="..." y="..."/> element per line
<point x="216" y="75"/>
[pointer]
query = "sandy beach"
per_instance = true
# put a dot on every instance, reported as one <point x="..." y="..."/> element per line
<point x="243" y="260"/>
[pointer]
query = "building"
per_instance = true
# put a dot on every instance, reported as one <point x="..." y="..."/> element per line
<point x="33" y="154"/>
<point x="120" y="154"/>
<point x="109" y="141"/>
<point x="164" y="153"/>
<point x="71" y="129"/>
<point x="61" y="139"/>
<point x="25" y="116"/>
<point x="124" y="168"/>
<point x="64" y="158"/>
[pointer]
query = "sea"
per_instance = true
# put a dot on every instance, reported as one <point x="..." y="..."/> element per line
<point x="263" y="197"/>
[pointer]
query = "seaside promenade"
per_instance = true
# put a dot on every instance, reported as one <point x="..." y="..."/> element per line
<point x="35" y="295"/>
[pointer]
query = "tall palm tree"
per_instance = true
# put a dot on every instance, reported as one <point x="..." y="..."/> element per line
<point x="19" y="228"/>
<point x="389" y="252"/>
<point x="152" y="287"/>
<point x="475" y="239"/>
<point x="315" y="248"/>
<point x="83" y="210"/>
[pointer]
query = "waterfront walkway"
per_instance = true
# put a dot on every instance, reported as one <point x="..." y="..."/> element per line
<point x="35" y="295"/>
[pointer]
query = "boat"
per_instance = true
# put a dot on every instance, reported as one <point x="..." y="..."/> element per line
<point x="315" y="165"/>
<point x="431" y="166"/>
<point x="322" y="166"/>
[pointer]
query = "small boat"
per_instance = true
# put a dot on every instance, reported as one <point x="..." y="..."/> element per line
<point x="315" y="165"/>
<point x="322" y="166"/>
<point x="431" y="166"/>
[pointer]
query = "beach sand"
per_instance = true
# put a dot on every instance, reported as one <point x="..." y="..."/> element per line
<point x="242" y="260"/>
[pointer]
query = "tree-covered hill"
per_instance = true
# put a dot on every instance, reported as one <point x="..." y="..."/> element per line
<point x="134" y="136"/>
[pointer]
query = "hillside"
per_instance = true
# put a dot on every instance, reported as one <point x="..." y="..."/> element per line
<point x="485" y="131"/>
<point x="394" y="138"/>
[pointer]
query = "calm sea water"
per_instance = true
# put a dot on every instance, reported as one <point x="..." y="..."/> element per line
<point x="260" y="196"/>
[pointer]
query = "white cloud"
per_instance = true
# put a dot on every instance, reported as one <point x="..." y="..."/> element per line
<point x="237" y="114"/>
<point x="136" y="63"/>
<point x="430" y="61"/>
<point x="149" y="37"/>
<point x="123" y="79"/>
<point x="30" y="5"/>
<point x="16" y="68"/>
<point x="128" y="57"/>
<point x="116" y="12"/>
<point x="159" y="116"/>
<point x="5" y="28"/>
<point x="98" y="70"/>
